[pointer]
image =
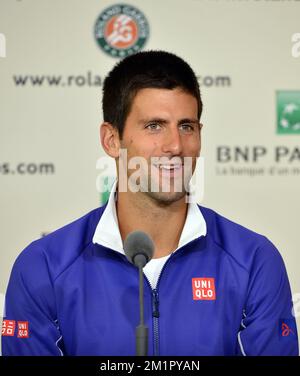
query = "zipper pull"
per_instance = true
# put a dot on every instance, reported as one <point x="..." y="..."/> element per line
<point x="155" y="312"/>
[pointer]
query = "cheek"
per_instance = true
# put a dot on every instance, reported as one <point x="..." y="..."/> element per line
<point x="147" y="148"/>
<point x="192" y="147"/>
<point x="141" y="148"/>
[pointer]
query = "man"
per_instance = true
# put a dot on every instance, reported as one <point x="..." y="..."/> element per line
<point x="212" y="288"/>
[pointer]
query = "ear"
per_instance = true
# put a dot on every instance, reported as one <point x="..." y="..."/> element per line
<point x="110" y="139"/>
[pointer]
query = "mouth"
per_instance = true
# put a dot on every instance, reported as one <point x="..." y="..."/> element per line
<point x="169" y="169"/>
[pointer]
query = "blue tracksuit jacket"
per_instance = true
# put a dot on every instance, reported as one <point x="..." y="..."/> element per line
<point x="226" y="293"/>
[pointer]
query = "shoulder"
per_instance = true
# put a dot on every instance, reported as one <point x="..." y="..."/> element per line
<point x="243" y="245"/>
<point x="60" y="248"/>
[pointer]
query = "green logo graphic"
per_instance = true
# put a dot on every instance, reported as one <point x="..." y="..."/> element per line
<point x="288" y="112"/>
<point x="106" y="183"/>
<point x="121" y="30"/>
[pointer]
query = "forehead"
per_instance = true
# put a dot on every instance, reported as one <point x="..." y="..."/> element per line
<point x="157" y="102"/>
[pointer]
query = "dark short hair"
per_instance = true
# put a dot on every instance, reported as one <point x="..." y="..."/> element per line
<point x="148" y="69"/>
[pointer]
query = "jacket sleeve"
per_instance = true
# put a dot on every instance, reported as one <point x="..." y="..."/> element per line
<point x="268" y="326"/>
<point x="30" y="324"/>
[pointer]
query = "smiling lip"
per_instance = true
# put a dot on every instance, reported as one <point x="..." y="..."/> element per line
<point x="170" y="170"/>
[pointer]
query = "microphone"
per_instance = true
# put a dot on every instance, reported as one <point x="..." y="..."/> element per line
<point x="139" y="249"/>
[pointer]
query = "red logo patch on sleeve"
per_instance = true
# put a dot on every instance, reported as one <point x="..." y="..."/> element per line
<point x="204" y="289"/>
<point x="8" y="328"/>
<point x="23" y="329"/>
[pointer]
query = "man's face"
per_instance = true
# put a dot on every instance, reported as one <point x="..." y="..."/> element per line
<point x="162" y="128"/>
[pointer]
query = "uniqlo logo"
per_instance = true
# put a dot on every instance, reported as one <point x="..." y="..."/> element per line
<point x="204" y="289"/>
<point x="8" y="328"/>
<point x="23" y="330"/>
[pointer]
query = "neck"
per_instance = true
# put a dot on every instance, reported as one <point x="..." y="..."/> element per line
<point x="162" y="222"/>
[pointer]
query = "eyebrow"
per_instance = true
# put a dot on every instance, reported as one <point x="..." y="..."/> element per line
<point x="164" y="121"/>
<point x="191" y="121"/>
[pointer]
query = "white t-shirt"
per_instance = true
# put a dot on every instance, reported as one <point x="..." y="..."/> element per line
<point x="153" y="268"/>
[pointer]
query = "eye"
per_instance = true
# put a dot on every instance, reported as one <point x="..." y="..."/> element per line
<point x="187" y="127"/>
<point x="153" y="126"/>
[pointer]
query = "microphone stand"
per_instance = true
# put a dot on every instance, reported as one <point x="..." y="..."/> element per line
<point x="141" y="332"/>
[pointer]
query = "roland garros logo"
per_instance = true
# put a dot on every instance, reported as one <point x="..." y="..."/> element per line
<point x="121" y="30"/>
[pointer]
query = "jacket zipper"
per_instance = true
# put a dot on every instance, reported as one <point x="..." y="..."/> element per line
<point x="155" y="298"/>
<point x="155" y="303"/>
<point x="155" y="309"/>
<point x="155" y="315"/>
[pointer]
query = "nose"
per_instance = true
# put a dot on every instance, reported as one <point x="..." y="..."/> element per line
<point x="172" y="143"/>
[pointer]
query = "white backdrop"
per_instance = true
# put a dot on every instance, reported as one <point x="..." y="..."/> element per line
<point x="247" y="56"/>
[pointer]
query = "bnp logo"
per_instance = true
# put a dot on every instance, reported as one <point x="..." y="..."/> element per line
<point x="288" y="112"/>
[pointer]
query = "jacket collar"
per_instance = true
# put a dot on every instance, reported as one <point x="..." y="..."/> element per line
<point x="107" y="232"/>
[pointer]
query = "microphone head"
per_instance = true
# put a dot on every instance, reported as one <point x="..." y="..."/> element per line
<point x="138" y="243"/>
